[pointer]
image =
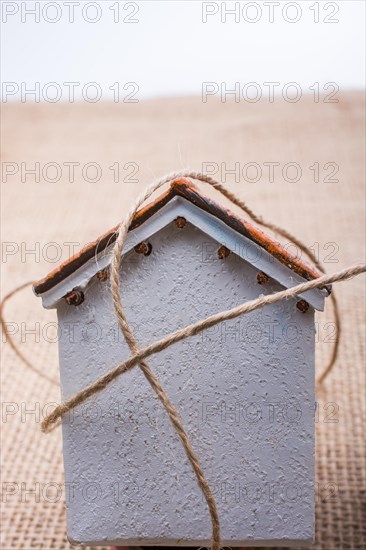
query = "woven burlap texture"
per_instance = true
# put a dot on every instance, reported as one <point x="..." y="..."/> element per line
<point x="158" y="136"/>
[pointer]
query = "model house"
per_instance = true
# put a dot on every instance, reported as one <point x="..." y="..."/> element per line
<point x="245" y="389"/>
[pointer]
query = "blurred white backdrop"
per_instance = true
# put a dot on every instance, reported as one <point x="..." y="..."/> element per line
<point x="170" y="48"/>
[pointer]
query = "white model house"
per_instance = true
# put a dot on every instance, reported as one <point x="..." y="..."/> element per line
<point x="244" y="389"/>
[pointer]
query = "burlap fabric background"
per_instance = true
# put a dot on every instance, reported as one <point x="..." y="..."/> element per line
<point x="160" y="136"/>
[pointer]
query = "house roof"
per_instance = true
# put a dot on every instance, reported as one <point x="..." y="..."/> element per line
<point x="183" y="188"/>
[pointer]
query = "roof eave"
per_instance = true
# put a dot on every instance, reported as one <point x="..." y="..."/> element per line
<point x="184" y="188"/>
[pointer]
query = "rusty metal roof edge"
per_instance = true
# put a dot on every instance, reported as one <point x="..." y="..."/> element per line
<point x="184" y="188"/>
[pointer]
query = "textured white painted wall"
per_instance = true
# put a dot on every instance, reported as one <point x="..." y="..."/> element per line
<point x="129" y="479"/>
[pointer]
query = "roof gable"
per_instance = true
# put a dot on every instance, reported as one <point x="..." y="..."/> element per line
<point x="182" y="199"/>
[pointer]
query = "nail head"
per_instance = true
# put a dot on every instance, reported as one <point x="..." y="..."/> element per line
<point x="75" y="297"/>
<point x="223" y="252"/>
<point x="143" y="248"/>
<point x="302" y="306"/>
<point x="180" y="222"/>
<point x="262" y="278"/>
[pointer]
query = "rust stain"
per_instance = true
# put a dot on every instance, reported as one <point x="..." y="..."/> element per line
<point x="184" y="188"/>
<point x="223" y="252"/>
<point x="75" y="297"/>
<point x="143" y="248"/>
<point x="302" y="306"/>
<point x="103" y="275"/>
<point x="262" y="278"/>
<point x="180" y="222"/>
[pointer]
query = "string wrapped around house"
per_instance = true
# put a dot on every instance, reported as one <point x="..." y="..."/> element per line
<point x="182" y="264"/>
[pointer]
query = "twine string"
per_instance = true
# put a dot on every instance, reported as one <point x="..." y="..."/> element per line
<point x="10" y="340"/>
<point x="138" y="356"/>
<point x="149" y="375"/>
<point x="257" y="219"/>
